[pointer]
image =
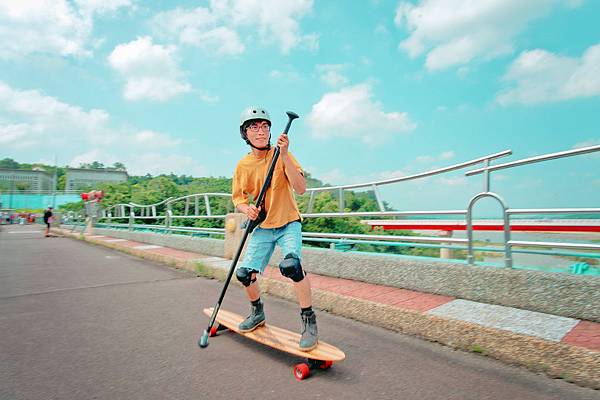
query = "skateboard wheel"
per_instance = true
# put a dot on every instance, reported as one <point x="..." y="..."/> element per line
<point x="301" y="371"/>
<point x="213" y="331"/>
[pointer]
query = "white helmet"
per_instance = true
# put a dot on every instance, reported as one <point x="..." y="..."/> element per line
<point x="250" y="115"/>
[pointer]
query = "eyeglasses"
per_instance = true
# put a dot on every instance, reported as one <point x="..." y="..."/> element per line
<point x="256" y="127"/>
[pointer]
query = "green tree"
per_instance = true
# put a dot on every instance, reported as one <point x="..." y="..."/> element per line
<point x="93" y="165"/>
<point x="116" y="193"/>
<point x="154" y="191"/>
<point x="61" y="182"/>
<point x="119" y="165"/>
<point x="22" y="186"/>
<point x="9" y="163"/>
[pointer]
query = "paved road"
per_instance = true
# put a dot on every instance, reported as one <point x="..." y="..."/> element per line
<point x="84" y="322"/>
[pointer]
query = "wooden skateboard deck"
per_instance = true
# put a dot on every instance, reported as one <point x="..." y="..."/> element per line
<point x="322" y="356"/>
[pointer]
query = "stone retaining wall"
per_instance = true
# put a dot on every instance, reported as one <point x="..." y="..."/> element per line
<point x="559" y="294"/>
<point x="211" y="247"/>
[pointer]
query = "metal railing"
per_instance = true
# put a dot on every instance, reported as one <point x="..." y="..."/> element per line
<point x="375" y="185"/>
<point x="507" y="213"/>
<point x="197" y="206"/>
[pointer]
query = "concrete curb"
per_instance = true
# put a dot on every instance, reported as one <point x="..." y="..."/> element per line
<point x="555" y="359"/>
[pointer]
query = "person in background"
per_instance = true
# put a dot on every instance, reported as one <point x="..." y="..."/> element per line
<point x="48" y="219"/>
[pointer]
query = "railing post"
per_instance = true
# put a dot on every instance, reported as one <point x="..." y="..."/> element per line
<point x="168" y="219"/>
<point x="508" y="262"/>
<point x="486" y="176"/>
<point x="378" y="198"/>
<point x="446" y="252"/>
<point x="469" y="218"/>
<point x="207" y="203"/>
<point x="131" y="219"/>
<point x="311" y="201"/>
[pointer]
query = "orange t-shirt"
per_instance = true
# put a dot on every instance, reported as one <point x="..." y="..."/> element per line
<point x="248" y="178"/>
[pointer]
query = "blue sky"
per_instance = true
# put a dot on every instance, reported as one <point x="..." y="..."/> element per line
<point x="384" y="89"/>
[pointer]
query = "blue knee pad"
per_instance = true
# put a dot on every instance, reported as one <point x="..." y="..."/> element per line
<point x="244" y="275"/>
<point x="291" y="268"/>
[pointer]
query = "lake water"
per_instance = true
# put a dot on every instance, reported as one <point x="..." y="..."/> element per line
<point x="495" y="239"/>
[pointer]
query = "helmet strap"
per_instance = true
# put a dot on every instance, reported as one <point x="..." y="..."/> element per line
<point x="245" y="137"/>
<point x="267" y="147"/>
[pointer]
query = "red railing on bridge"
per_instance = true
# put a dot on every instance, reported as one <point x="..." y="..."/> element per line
<point x="550" y="225"/>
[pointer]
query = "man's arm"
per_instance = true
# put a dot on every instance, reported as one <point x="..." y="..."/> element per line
<point x="296" y="178"/>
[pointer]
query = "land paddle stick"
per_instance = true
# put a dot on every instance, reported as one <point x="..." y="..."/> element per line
<point x="260" y="202"/>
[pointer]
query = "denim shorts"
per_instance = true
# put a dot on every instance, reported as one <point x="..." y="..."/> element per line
<point x="263" y="241"/>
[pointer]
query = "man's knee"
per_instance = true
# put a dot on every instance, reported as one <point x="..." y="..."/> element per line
<point x="291" y="268"/>
<point x="245" y="276"/>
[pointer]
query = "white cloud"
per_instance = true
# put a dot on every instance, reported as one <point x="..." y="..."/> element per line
<point x="351" y="112"/>
<point x="17" y="135"/>
<point x="207" y="98"/>
<point x="452" y="181"/>
<point x="151" y="70"/>
<point x="93" y="155"/>
<point x="382" y="29"/>
<point x="198" y="27"/>
<point x="147" y="138"/>
<point x="455" y="32"/>
<point x="50" y="26"/>
<point x="31" y="120"/>
<point x="332" y="75"/>
<point x="338" y="176"/>
<point x="587" y="143"/>
<point x="541" y="76"/>
<point x="102" y="6"/>
<point x="159" y="163"/>
<point x="288" y="74"/>
<point x="42" y="118"/>
<point x="333" y="177"/>
<point x="144" y="163"/>
<point x="216" y="28"/>
<point x="446" y="155"/>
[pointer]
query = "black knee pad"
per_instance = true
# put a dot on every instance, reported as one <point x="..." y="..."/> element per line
<point x="245" y="276"/>
<point x="291" y="268"/>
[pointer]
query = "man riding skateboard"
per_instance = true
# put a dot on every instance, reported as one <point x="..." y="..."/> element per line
<point x="281" y="225"/>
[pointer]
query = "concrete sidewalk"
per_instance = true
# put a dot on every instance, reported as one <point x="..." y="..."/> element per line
<point x="561" y="347"/>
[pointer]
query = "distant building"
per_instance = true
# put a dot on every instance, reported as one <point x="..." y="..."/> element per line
<point x="84" y="178"/>
<point x="23" y="179"/>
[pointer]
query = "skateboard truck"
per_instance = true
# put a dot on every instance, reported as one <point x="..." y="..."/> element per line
<point x="303" y="370"/>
